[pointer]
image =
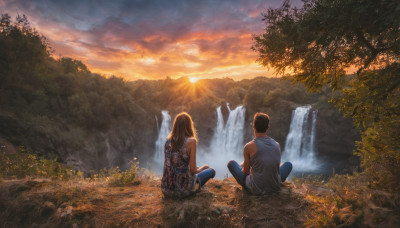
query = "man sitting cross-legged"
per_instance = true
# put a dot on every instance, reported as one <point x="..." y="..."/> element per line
<point x="260" y="172"/>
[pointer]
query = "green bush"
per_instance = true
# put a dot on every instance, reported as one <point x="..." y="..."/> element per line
<point x="118" y="178"/>
<point x="24" y="164"/>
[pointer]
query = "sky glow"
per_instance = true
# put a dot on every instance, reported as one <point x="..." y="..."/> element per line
<point x="193" y="80"/>
<point x="152" y="39"/>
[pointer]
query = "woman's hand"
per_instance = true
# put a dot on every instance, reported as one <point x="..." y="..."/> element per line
<point x="204" y="167"/>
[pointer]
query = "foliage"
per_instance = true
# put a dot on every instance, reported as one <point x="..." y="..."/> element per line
<point x="372" y="96"/>
<point x="25" y="164"/>
<point x="57" y="105"/>
<point x="323" y="38"/>
<point x="347" y="201"/>
<point x="129" y="177"/>
<point x="373" y="102"/>
<point x="320" y="42"/>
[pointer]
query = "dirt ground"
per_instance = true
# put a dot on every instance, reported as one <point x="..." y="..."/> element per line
<point x="47" y="203"/>
<point x="221" y="203"/>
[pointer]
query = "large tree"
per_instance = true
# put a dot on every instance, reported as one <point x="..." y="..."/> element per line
<point x="353" y="46"/>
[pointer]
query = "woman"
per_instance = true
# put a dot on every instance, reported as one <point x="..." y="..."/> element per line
<point x="181" y="176"/>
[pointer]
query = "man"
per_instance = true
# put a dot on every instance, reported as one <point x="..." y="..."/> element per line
<point x="260" y="172"/>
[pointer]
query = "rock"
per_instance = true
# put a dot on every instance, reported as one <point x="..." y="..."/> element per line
<point x="47" y="209"/>
<point x="218" y="186"/>
<point x="65" y="213"/>
<point x="216" y="211"/>
<point x="181" y="215"/>
<point x="319" y="190"/>
<point x="226" y="210"/>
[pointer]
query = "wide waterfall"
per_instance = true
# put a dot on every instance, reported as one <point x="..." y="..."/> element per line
<point x="227" y="143"/>
<point x="162" y="135"/>
<point x="300" y="142"/>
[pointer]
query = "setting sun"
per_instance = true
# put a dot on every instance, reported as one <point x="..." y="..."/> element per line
<point x="193" y="80"/>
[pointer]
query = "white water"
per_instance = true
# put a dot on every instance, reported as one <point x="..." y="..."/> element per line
<point x="300" y="142"/>
<point x="227" y="142"/>
<point x="162" y="135"/>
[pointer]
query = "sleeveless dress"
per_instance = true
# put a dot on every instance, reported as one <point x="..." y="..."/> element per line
<point x="177" y="181"/>
<point x="264" y="177"/>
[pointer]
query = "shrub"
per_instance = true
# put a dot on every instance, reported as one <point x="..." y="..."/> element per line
<point x="126" y="178"/>
<point x="25" y="164"/>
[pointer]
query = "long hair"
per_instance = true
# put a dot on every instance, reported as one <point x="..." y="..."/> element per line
<point x="181" y="128"/>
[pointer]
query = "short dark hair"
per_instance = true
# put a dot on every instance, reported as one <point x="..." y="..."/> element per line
<point x="261" y="122"/>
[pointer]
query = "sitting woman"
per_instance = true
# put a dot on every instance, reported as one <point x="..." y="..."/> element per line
<point x="181" y="176"/>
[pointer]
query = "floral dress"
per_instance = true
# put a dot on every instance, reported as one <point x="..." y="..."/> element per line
<point x="177" y="181"/>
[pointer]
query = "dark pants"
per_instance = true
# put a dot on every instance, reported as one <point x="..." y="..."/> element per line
<point x="240" y="177"/>
<point x="206" y="175"/>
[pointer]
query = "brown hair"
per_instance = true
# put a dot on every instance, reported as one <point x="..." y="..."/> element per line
<point x="181" y="128"/>
<point x="261" y="122"/>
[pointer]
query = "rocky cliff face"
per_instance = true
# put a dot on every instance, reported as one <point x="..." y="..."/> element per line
<point x="116" y="147"/>
<point x="7" y="147"/>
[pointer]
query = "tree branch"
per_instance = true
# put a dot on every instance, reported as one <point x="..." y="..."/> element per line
<point x="374" y="51"/>
<point x="364" y="40"/>
<point x="366" y="64"/>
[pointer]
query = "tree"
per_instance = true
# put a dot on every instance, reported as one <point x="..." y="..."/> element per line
<point x="321" y="40"/>
<point x="321" y="43"/>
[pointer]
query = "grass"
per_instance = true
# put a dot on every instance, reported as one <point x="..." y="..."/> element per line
<point x="343" y="201"/>
<point x="348" y="201"/>
<point x="26" y="164"/>
<point x="112" y="196"/>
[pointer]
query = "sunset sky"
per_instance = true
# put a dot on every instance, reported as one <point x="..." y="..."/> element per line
<point x="152" y="39"/>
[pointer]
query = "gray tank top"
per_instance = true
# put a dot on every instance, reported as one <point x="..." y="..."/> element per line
<point x="264" y="174"/>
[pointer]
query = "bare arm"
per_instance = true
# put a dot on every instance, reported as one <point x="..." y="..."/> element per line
<point x="246" y="162"/>
<point x="204" y="167"/>
<point x="249" y="151"/>
<point x="191" y="150"/>
<point x="280" y="150"/>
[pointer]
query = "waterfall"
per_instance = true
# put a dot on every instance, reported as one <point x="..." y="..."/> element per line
<point x="162" y="135"/>
<point x="312" y="140"/>
<point x="233" y="132"/>
<point x="227" y="142"/>
<point x="300" y="142"/>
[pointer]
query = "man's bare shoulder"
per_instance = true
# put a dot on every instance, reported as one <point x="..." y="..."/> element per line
<point x="250" y="146"/>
